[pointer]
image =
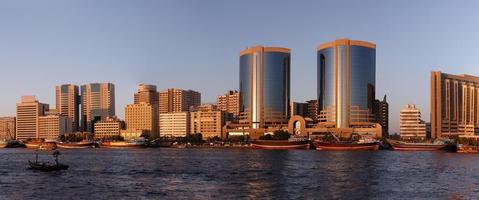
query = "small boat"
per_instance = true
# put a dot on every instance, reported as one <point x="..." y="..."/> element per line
<point x="424" y="146"/>
<point x="122" y="144"/>
<point x="291" y="144"/>
<point x="461" y="148"/>
<point x="3" y="144"/>
<point x="47" y="166"/>
<point x="346" y="146"/>
<point x="76" y="145"/>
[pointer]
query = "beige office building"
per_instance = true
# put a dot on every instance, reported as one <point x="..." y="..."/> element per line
<point x="454" y="105"/>
<point x="141" y="117"/>
<point x="410" y="125"/>
<point x="7" y="128"/>
<point x="109" y="127"/>
<point x="68" y="103"/>
<point x="98" y="103"/>
<point x="229" y="102"/>
<point x="174" y="124"/>
<point x="51" y="127"/>
<point x="177" y="100"/>
<point x="208" y="122"/>
<point x="29" y="111"/>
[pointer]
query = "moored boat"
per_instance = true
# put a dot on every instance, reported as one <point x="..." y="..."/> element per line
<point x="424" y="146"/>
<point x="3" y="144"/>
<point x="280" y="144"/>
<point x="346" y="146"/>
<point x="466" y="149"/>
<point x="122" y="144"/>
<point x="75" y="145"/>
<point x="41" y="145"/>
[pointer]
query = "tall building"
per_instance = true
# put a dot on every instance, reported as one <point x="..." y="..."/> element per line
<point x="146" y="94"/>
<point x="29" y="111"/>
<point x="313" y="110"/>
<point x="209" y="122"/>
<point x="264" y="86"/>
<point x="98" y="103"/>
<point x="229" y="102"/>
<point x="177" y="100"/>
<point x="7" y="128"/>
<point x="51" y="127"/>
<point x="68" y="103"/>
<point x="410" y="124"/>
<point x="174" y="124"/>
<point x="308" y="110"/>
<point x="140" y="116"/>
<point x="346" y="82"/>
<point x="298" y="108"/>
<point x="108" y="127"/>
<point x="454" y="105"/>
<point x="381" y="112"/>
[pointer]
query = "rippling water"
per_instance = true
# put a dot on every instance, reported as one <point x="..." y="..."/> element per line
<point x="241" y="174"/>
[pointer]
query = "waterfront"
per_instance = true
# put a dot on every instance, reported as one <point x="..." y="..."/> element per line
<point x="241" y="174"/>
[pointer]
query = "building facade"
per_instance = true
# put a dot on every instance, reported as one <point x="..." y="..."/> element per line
<point x="208" y="122"/>
<point x="175" y="124"/>
<point x="28" y="112"/>
<point x="264" y="86"/>
<point x="51" y="127"/>
<point x="98" y="103"/>
<point x="108" y="127"/>
<point x="68" y="103"/>
<point x="141" y="117"/>
<point x="178" y="100"/>
<point x="229" y="102"/>
<point x="410" y="124"/>
<point x="454" y="105"/>
<point x="7" y="128"/>
<point x="346" y="82"/>
<point x="381" y="112"/>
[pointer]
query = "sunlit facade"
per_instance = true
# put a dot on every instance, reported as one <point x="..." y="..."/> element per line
<point x="264" y="86"/>
<point x="346" y="83"/>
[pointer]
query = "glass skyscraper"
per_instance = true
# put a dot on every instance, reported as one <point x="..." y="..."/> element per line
<point x="346" y="83"/>
<point x="264" y="86"/>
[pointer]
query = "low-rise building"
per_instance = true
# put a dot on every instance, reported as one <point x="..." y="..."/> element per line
<point x="174" y="124"/>
<point x="209" y="123"/>
<point x="109" y="127"/>
<point x="51" y="127"/>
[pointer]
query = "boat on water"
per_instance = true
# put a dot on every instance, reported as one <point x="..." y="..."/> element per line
<point x="290" y="144"/>
<point x="47" y="166"/>
<point x="423" y="146"/>
<point x="3" y="144"/>
<point x="346" y="146"/>
<point x="122" y="144"/>
<point x="461" y="148"/>
<point x="41" y="145"/>
<point x="76" y="145"/>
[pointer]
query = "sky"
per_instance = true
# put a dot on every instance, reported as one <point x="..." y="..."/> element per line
<point x="196" y="44"/>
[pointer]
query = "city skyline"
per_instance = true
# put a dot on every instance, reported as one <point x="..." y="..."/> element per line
<point x="128" y="53"/>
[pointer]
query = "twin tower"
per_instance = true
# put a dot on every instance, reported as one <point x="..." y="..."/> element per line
<point x="346" y="77"/>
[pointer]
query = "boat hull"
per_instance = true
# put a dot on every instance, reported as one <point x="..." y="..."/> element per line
<point x="397" y="146"/>
<point x="120" y="145"/>
<point x="280" y="144"/>
<point x="76" y="145"/>
<point x="322" y="146"/>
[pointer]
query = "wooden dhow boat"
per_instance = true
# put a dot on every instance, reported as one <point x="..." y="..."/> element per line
<point x="423" y="146"/>
<point x="291" y="144"/>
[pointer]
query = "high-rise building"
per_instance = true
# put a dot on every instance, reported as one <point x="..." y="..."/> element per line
<point x="51" y="127"/>
<point x="307" y="110"/>
<point x="410" y="124"/>
<point x="264" y="86"/>
<point x="98" y="103"/>
<point x="346" y="83"/>
<point x="177" y="100"/>
<point x="454" y="105"/>
<point x="381" y="112"/>
<point x="29" y="111"/>
<point x="140" y="116"/>
<point x="299" y="108"/>
<point x="108" y="127"/>
<point x="209" y="122"/>
<point x="7" y="128"/>
<point x="313" y="110"/>
<point x="229" y="102"/>
<point x="68" y="103"/>
<point x="149" y="95"/>
<point x="175" y="124"/>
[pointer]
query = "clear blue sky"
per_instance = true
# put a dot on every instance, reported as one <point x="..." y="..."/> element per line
<point x="195" y="44"/>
